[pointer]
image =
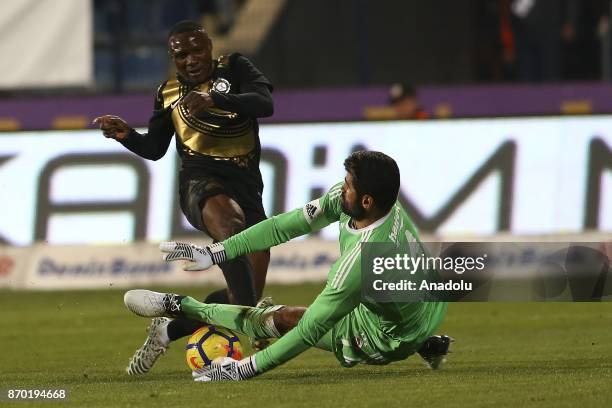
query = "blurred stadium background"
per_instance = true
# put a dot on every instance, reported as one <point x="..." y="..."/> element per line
<point x="473" y="165"/>
<point x="512" y="137"/>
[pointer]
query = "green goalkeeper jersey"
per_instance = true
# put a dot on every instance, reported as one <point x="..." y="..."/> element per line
<point x="392" y="330"/>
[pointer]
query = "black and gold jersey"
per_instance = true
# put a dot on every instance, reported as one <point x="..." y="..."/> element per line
<point x="223" y="140"/>
<point x="215" y="132"/>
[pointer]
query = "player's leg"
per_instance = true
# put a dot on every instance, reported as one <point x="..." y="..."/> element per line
<point x="194" y="196"/>
<point x="358" y="338"/>
<point x="208" y="207"/>
<point x="266" y="322"/>
<point x="222" y="218"/>
<point x="249" y="199"/>
<point x="258" y="323"/>
<point x="260" y="261"/>
<point x="251" y="203"/>
<point x="247" y="196"/>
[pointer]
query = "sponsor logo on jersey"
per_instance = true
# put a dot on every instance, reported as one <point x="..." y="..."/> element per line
<point x="179" y="100"/>
<point x="312" y="211"/>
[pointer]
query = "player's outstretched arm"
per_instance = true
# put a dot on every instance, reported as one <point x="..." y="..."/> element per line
<point x="259" y="237"/>
<point x="281" y="228"/>
<point x="313" y="216"/>
<point x="151" y="145"/>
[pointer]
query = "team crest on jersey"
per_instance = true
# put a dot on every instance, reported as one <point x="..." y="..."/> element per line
<point x="312" y="211"/>
<point x="361" y="340"/>
<point x="221" y="85"/>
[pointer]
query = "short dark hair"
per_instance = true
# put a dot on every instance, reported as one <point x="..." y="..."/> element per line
<point x="186" y="26"/>
<point x="375" y="174"/>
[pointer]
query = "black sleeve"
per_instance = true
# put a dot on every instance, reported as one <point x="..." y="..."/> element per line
<point x="153" y="144"/>
<point x="256" y="101"/>
<point x="255" y="96"/>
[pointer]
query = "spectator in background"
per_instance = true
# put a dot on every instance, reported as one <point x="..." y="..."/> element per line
<point x="493" y="51"/>
<point x="539" y="27"/>
<point x="405" y="103"/>
<point x="581" y="48"/>
<point x="220" y="14"/>
<point x="538" y="40"/>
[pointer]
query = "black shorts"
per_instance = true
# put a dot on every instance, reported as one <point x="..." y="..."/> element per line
<point x="194" y="192"/>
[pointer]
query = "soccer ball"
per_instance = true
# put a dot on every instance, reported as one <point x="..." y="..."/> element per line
<point x="210" y="342"/>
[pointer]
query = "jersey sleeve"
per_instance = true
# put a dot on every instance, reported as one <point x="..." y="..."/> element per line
<point x="325" y="210"/>
<point x="255" y="101"/>
<point x="313" y="216"/>
<point x="153" y="144"/>
<point x="254" y="97"/>
<point x="247" y="72"/>
<point x="341" y="295"/>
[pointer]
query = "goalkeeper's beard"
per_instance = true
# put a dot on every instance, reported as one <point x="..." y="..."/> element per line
<point x="354" y="210"/>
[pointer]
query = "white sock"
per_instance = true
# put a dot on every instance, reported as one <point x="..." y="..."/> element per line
<point x="269" y="321"/>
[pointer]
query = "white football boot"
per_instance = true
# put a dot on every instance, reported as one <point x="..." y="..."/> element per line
<point x="147" y="303"/>
<point x="142" y="361"/>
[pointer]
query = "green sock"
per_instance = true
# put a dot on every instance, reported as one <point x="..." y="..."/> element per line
<point x="251" y="321"/>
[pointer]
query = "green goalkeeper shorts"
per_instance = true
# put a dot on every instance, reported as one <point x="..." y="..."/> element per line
<point x="360" y="338"/>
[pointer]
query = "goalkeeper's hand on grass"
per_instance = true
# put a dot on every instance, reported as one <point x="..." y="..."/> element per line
<point x="201" y="257"/>
<point x="227" y="369"/>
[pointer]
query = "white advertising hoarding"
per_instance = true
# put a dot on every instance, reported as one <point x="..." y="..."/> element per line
<point x="480" y="177"/>
<point x="46" y="43"/>
<point x="52" y="267"/>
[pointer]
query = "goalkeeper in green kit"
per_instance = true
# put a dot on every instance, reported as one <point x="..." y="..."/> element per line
<point x="339" y="320"/>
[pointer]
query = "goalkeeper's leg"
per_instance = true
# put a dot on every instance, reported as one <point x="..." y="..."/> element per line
<point x="256" y="322"/>
<point x="260" y="323"/>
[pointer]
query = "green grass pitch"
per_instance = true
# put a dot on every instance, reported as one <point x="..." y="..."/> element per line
<point x="506" y="355"/>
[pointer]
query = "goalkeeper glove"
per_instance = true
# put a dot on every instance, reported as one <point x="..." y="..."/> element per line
<point x="202" y="257"/>
<point x="227" y="369"/>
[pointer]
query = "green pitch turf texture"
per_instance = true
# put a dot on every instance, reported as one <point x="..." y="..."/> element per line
<point x="506" y="355"/>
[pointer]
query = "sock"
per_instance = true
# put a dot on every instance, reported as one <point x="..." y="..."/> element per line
<point x="219" y="296"/>
<point x="251" y="321"/>
<point x="181" y="327"/>
<point x="238" y="274"/>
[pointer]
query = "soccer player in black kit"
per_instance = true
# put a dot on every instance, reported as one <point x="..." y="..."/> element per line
<point x="211" y="106"/>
